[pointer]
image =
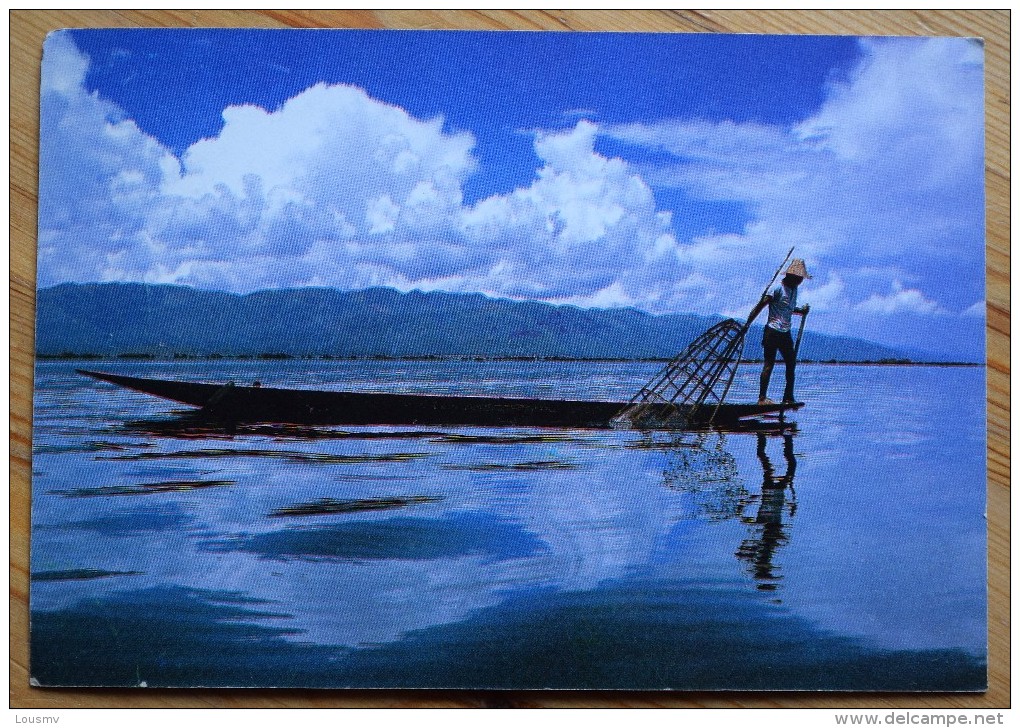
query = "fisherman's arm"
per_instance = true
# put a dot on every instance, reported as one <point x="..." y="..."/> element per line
<point x="803" y="310"/>
<point x="765" y="300"/>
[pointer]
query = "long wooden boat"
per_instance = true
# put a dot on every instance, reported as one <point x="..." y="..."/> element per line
<point x="233" y="403"/>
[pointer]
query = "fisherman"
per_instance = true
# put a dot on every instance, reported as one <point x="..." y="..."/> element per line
<point x="782" y="303"/>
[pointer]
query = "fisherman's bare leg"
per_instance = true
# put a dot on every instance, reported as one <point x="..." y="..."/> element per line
<point x="766" y="375"/>
<point x="766" y="370"/>
<point x="790" y="361"/>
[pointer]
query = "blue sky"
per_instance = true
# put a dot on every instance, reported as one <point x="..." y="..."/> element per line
<point x="666" y="172"/>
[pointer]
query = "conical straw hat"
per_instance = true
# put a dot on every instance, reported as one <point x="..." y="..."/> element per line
<point x="797" y="268"/>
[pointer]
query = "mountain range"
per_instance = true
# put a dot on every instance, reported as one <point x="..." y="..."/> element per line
<point x="166" y="320"/>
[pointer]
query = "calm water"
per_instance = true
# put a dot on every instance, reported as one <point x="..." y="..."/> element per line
<point x="846" y="554"/>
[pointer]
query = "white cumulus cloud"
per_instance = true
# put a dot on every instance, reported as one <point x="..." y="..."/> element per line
<point x="98" y="174"/>
<point x="881" y="187"/>
<point x="588" y="223"/>
<point x="978" y="310"/>
<point x="336" y="188"/>
<point x="880" y="190"/>
<point x="899" y="300"/>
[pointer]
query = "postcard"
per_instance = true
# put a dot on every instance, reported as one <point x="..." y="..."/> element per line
<point x="505" y="360"/>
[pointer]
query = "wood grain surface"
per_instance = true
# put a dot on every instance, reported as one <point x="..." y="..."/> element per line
<point x="27" y="30"/>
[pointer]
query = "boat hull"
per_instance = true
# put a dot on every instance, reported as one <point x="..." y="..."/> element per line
<point x="232" y="403"/>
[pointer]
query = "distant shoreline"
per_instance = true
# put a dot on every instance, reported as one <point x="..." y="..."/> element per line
<point x="276" y="356"/>
<point x="165" y="321"/>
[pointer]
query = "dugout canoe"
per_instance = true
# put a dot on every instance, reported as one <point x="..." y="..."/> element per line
<point x="237" y="404"/>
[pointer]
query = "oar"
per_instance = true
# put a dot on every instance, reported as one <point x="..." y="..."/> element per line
<point x="800" y="333"/>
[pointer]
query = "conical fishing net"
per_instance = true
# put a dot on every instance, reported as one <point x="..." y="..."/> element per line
<point x="698" y="377"/>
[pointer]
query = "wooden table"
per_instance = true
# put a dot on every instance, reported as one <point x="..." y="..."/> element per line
<point x="27" y="31"/>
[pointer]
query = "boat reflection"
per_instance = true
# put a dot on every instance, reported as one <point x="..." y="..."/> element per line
<point x="191" y="426"/>
<point x="699" y="464"/>
<point x="768" y="530"/>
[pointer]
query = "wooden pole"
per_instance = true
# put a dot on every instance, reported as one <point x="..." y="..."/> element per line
<point x="800" y="333"/>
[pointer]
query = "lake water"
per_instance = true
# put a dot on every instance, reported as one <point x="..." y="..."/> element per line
<point x="847" y="553"/>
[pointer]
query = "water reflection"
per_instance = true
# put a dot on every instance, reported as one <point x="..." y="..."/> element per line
<point x="327" y="556"/>
<point x="188" y="425"/>
<point x="703" y="467"/>
<point x="768" y="531"/>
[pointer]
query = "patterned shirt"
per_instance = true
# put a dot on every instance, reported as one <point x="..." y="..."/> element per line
<point x="784" y="300"/>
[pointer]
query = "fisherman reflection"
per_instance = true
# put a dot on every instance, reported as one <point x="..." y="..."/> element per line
<point x="768" y="531"/>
